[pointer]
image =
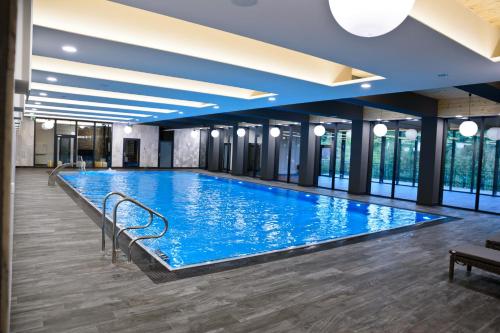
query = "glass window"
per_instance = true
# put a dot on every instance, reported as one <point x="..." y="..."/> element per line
<point x="406" y="182"/>
<point x="102" y="145"/>
<point x="203" y="148"/>
<point x="326" y="163"/>
<point x="295" y="155"/>
<point x="383" y="162"/>
<point x="44" y="144"/>
<point x="460" y="167"/>
<point x="490" y="175"/>
<point x="85" y="143"/>
<point x="283" y="153"/>
<point x="66" y="127"/>
<point x="343" y="157"/>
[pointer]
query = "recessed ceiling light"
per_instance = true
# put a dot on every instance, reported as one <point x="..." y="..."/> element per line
<point x="458" y="116"/>
<point x="409" y="118"/>
<point x="180" y="112"/>
<point x="366" y="85"/>
<point x="33" y="109"/>
<point x="328" y="123"/>
<point x="69" y="49"/>
<point x="42" y="94"/>
<point x="51" y="79"/>
<point x="271" y="99"/>
<point x="216" y="107"/>
<point x="155" y="117"/>
<point x="38" y="103"/>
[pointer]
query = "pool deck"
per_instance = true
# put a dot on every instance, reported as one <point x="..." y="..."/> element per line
<point x="398" y="283"/>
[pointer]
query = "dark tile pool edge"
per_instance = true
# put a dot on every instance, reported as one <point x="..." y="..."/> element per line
<point x="159" y="271"/>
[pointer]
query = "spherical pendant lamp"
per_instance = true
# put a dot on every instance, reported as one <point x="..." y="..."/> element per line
<point x="215" y="133"/>
<point x="319" y="130"/>
<point x="411" y="134"/>
<point x="493" y="133"/>
<point x="275" y="132"/>
<point x="48" y="125"/>
<point x="468" y="128"/>
<point x="127" y="129"/>
<point x="380" y="130"/>
<point x="370" y="18"/>
<point x="241" y="132"/>
<point x="194" y="134"/>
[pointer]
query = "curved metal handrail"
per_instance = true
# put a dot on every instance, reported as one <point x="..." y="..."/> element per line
<point x="104" y="201"/>
<point x="52" y="176"/>
<point x="151" y="212"/>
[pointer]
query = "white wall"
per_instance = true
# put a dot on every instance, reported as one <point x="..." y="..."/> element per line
<point x="186" y="148"/>
<point x="24" y="143"/>
<point x="149" y="136"/>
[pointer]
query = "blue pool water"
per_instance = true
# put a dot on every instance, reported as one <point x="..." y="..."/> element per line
<point x="213" y="218"/>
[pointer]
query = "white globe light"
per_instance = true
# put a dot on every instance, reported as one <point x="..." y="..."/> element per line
<point x="215" y="133"/>
<point x="319" y="130"/>
<point x="48" y="124"/>
<point x="411" y="134"/>
<point x="468" y="128"/>
<point x="241" y="132"/>
<point x="493" y="134"/>
<point x="370" y="18"/>
<point x="194" y="134"/>
<point x="275" y="132"/>
<point x="128" y="129"/>
<point x="380" y="130"/>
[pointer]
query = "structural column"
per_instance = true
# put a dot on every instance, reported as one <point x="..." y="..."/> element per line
<point x="431" y="156"/>
<point x="268" y="162"/>
<point x="240" y="152"/>
<point x="215" y="149"/>
<point x="307" y="155"/>
<point x="360" y="156"/>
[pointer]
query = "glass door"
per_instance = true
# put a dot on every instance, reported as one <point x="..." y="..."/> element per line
<point x="327" y="159"/>
<point x="131" y="153"/>
<point x="65" y="149"/>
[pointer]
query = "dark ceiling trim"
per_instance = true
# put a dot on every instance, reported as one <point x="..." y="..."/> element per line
<point x="484" y="90"/>
<point x="335" y="109"/>
<point x="406" y="102"/>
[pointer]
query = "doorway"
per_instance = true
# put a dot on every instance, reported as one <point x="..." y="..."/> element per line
<point x="65" y="151"/>
<point x="131" y="153"/>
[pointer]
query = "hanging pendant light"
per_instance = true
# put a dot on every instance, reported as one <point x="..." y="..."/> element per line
<point x="241" y="132"/>
<point x="380" y="130"/>
<point x="194" y="134"/>
<point x="215" y="133"/>
<point x="319" y="130"/>
<point x="411" y="134"/>
<point x="468" y="128"/>
<point x="275" y="132"/>
<point x="127" y="129"/>
<point x="493" y="133"/>
<point x="370" y="18"/>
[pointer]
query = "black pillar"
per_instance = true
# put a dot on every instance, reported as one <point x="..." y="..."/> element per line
<point x="215" y="148"/>
<point x="307" y="154"/>
<point x="240" y="152"/>
<point x="360" y="149"/>
<point x="431" y="155"/>
<point x="268" y="154"/>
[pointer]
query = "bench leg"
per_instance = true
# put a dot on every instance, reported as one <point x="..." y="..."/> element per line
<point x="469" y="269"/>
<point x="452" y="267"/>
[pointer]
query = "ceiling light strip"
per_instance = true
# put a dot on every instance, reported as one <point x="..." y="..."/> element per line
<point x="61" y="108"/>
<point x="77" y="115"/>
<point x="128" y="76"/>
<point x="117" y="95"/>
<point x="98" y="104"/>
<point x="41" y="116"/>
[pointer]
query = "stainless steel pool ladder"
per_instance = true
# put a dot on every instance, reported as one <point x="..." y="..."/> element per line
<point x="152" y="214"/>
<point x="53" y="174"/>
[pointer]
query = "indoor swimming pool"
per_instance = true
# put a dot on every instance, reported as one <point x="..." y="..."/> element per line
<point x="214" y="219"/>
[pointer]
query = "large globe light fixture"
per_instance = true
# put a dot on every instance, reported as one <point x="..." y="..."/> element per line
<point x="48" y="125"/>
<point x="380" y="130"/>
<point x="275" y="132"/>
<point x="411" y="134"/>
<point x="319" y="130"/>
<point x="128" y="129"/>
<point x="215" y="133"/>
<point x="468" y="128"/>
<point x="370" y="18"/>
<point x="194" y="134"/>
<point x="493" y="134"/>
<point x="241" y="132"/>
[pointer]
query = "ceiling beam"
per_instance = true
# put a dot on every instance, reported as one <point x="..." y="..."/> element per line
<point x="267" y="114"/>
<point x="333" y="109"/>
<point x="484" y="90"/>
<point x="405" y="102"/>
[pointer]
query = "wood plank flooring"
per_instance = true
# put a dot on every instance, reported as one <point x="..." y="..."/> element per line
<point x="62" y="282"/>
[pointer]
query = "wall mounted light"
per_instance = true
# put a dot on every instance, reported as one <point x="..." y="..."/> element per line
<point x="127" y="129"/>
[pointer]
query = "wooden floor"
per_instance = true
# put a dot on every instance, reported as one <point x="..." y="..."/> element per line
<point x="62" y="283"/>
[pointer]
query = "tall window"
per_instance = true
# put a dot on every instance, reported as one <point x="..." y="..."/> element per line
<point x="102" y="145"/>
<point x="395" y="160"/>
<point x="85" y="143"/>
<point x="253" y="161"/>
<point x="335" y="156"/>
<point x="471" y="174"/>
<point x="289" y="154"/>
<point x="44" y="142"/>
